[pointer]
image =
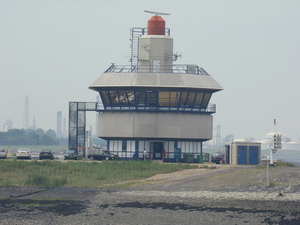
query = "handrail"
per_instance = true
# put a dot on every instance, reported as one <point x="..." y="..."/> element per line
<point x="210" y="109"/>
<point x="176" y="68"/>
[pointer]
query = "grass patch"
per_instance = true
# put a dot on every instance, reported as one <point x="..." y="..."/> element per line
<point x="6" y="183"/>
<point x="37" y="180"/>
<point x="80" y="174"/>
<point x="287" y="164"/>
<point x="30" y="205"/>
<point x="271" y="183"/>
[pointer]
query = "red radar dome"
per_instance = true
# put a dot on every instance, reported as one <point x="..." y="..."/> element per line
<point x="156" y="25"/>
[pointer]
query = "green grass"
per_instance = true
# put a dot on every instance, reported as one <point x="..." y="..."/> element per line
<point x="286" y="164"/>
<point x="271" y="183"/>
<point x="80" y="174"/>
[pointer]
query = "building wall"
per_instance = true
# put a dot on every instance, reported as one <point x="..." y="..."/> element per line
<point x="155" y="47"/>
<point x="233" y="155"/>
<point x="154" y="125"/>
<point x="129" y="149"/>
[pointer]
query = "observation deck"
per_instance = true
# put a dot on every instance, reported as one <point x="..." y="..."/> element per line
<point x="178" y="69"/>
<point x="172" y="88"/>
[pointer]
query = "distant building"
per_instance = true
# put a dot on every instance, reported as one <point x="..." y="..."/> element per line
<point x="7" y="125"/>
<point x="286" y="143"/>
<point x="64" y="129"/>
<point x="59" y="125"/>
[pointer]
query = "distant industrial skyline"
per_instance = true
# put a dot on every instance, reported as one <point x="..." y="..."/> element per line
<point x="61" y="127"/>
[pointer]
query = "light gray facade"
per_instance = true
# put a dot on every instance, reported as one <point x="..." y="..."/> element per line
<point x="144" y="80"/>
<point x="166" y="126"/>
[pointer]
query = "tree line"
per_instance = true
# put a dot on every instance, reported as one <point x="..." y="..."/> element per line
<point x="28" y="137"/>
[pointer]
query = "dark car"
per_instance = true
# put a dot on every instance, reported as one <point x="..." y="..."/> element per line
<point x="218" y="158"/>
<point x="71" y="154"/>
<point x="102" y="154"/>
<point x="46" y="154"/>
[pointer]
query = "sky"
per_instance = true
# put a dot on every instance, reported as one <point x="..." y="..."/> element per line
<point x="52" y="50"/>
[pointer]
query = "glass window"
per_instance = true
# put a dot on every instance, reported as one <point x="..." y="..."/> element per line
<point x="206" y="99"/>
<point x="163" y="98"/>
<point x="105" y="98"/>
<point x="130" y="96"/>
<point x="183" y="98"/>
<point x="190" y="100"/>
<point x="140" y="97"/>
<point x="151" y="98"/>
<point x="124" y="145"/>
<point x="123" y="97"/>
<point x="114" y="98"/>
<point x="174" y="96"/>
<point x="198" y="100"/>
<point x="143" y="100"/>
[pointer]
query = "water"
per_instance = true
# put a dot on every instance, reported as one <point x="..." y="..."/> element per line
<point x="286" y="155"/>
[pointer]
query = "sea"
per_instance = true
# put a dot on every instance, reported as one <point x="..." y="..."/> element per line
<point x="292" y="156"/>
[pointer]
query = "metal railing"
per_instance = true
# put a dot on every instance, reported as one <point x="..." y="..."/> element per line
<point x="210" y="109"/>
<point x="179" y="68"/>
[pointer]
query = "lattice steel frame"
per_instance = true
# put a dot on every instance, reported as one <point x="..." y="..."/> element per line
<point x="77" y="125"/>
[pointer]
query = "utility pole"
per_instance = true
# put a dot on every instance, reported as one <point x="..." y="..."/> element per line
<point x="26" y="114"/>
<point x="273" y="150"/>
<point x="276" y="144"/>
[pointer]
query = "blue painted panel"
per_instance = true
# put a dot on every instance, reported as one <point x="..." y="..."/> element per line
<point x="136" y="152"/>
<point x="227" y="153"/>
<point x="242" y="154"/>
<point x="177" y="153"/>
<point x="253" y="155"/>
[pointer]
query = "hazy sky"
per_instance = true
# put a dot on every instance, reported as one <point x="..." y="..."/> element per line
<point x="52" y="50"/>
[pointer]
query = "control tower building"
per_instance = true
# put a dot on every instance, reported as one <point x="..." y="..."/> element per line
<point x="154" y="104"/>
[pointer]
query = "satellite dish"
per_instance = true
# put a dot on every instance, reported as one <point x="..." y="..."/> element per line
<point x="157" y="13"/>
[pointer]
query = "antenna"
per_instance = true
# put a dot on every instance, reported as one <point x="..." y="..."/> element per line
<point x="26" y="113"/>
<point x="33" y="123"/>
<point x="157" y="13"/>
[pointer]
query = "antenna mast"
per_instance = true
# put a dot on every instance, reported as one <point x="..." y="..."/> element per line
<point x="34" y="124"/>
<point x="26" y="113"/>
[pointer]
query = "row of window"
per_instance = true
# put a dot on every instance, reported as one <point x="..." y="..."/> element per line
<point x="183" y="99"/>
<point x="121" y="147"/>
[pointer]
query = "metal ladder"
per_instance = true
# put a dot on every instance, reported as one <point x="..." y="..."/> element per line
<point x="136" y="32"/>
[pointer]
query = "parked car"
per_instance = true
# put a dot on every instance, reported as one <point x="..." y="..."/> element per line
<point x="23" y="153"/>
<point x="218" y="158"/>
<point x="102" y="154"/>
<point x="3" y="153"/>
<point x="71" y="154"/>
<point x="46" y="154"/>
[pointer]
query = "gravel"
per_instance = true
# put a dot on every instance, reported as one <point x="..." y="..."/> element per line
<point x="225" y="195"/>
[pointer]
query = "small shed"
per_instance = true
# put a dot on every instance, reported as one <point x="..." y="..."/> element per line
<point x="243" y="153"/>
